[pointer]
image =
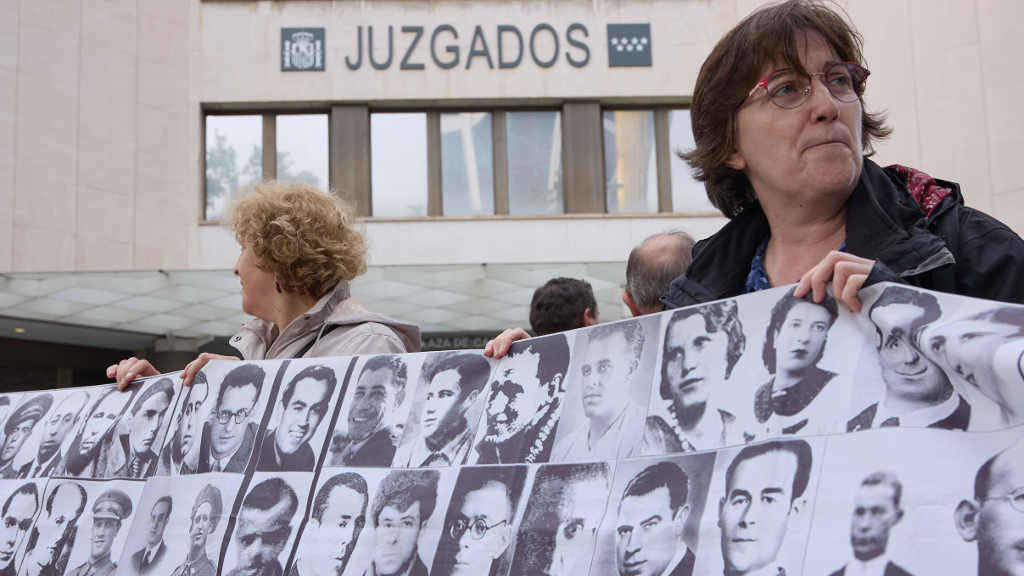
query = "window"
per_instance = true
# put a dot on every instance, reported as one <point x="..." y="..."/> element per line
<point x="398" y="164"/>
<point x="234" y="159"/>
<point x="302" y="147"/>
<point x="534" y="141"/>
<point x="467" y="164"/>
<point x="688" y="195"/>
<point x="630" y="161"/>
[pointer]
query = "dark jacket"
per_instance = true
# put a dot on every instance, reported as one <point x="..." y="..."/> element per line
<point x="891" y="569"/>
<point x="157" y="557"/>
<point x="951" y="248"/>
<point x="302" y="460"/>
<point x="238" y="461"/>
<point x="958" y="420"/>
<point x="377" y="451"/>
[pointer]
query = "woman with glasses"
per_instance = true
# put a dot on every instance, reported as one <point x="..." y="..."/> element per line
<point x="782" y="139"/>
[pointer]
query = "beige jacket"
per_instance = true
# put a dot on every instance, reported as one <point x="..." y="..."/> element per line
<point x="338" y="325"/>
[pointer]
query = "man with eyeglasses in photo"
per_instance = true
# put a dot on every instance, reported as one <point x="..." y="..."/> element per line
<point x="995" y="517"/>
<point x="229" y="435"/>
<point x="404" y="503"/>
<point x="177" y="456"/>
<point x="109" y="512"/>
<point x="56" y="426"/>
<point x="478" y="527"/>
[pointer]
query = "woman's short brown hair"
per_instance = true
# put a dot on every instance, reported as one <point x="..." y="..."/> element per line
<point x="300" y="234"/>
<point x="735" y="64"/>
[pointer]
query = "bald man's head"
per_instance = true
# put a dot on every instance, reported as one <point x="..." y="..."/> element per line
<point x="652" y="266"/>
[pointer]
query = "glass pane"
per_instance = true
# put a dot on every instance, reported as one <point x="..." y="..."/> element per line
<point x="630" y="164"/>
<point x="398" y="164"/>
<point x="302" y="148"/>
<point x="688" y="195"/>
<point x="234" y="158"/>
<point x="467" y="164"/>
<point x="534" y="162"/>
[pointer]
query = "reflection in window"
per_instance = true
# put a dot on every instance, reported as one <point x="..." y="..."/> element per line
<point x="398" y="164"/>
<point x="688" y="195"/>
<point x="534" y="162"/>
<point x="630" y="163"/>
<point x="467" y="164"/>
<point x="234" y="158"/>
<point x="302" y="148"/>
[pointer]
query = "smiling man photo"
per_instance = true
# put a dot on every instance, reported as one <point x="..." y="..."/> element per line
<point x="304" y="404"/>
<point x="378" y="393"/>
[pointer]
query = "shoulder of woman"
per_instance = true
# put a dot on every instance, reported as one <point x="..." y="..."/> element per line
<point x="362" y="338"/>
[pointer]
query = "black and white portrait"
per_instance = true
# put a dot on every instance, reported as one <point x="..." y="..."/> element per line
<point x="993" y="516"/>
<point x="375" y="404"/>
<point x="607" y="392"/>
<point x="153" y="551"/>
<point x="763" y="493"/>
<point x="55" y="530"/>
<point x="267" y="524"/>
<point x="700" y="349"/>
<point x="478" y="528"/>
<point x="180" y="454"/>
<point x="301" y="415"/>
<point x="915" y="391"/>
<point x="18" y="428"/>
<point x="7" y="402"/>
<point x="231" y="429"/>
<point x="652" y="524"/>
<point x="54" y="434"/>
<point x="103" y="527"/>
<point x="559" y="527"/>
<point x="336" y="521"/>
<point x="98" y="444"/>
<point x="445" y="411"/>
<point x="524" y="402"/>
<point x="404" y="503"/>
<point x="21" y="502"/>
<point x="134" y="454"/>
<point x="877" y="510"/>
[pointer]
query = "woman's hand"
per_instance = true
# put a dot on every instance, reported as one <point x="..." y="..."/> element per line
<point x="847" y="273"/>
<point x="193" y="367"/>
<point x="498" y="347"/>
<point x="127" y="370"/>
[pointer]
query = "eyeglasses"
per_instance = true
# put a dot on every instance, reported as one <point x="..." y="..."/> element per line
<point x="789" y="89"/>
<point x="1015" y="498"/>
<point x="477" y="527"/>
<point x="225" y="416"/>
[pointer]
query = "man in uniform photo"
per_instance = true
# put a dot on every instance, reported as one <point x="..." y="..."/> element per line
<point x="55" y="428"/>
<point x="206" y="514"/>
<point x="108" y="512"/>
<point x="18" y="428"/>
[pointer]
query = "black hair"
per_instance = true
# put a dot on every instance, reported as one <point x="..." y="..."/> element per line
<point x="315" y="372"/>
<point x="927" y="302"/>
<point x="270" y="493"/>
<point x="798" y="448"/>
<point x="559" y="305"/>
<point x="660" y="475"/>
<point x="26" y="488"/>
<point x="349" y="480"/>
<point x="721" y="316"/>
<point x="240" y="377"/>
<point x="779" y="313"/>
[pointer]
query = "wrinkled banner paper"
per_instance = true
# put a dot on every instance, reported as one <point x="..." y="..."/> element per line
<point x="761" y="435"/>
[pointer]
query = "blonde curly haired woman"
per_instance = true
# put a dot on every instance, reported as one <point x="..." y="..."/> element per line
<point x="299" y="252"/>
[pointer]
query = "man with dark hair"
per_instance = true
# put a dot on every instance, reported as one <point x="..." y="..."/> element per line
<point x="338" y="517"/>
<point x="612" y="426"/>
<point x="53" y="535"/>
<point x="651" y="520"/>
<point x="137" y="459"/>
<point x="995" y="518"/>
<point x="478" y="527"/>
<point x="523" y="402"/>
<point x="206" y="513"/>
<point x="652" y="266"/>
<point x="230" y="434"/>
<point x="109" y="511"/>
<point x="264" y="526"/>
<point x="178" y="456"/>
<point x="18" y="428"/>
<point x="917" y="392"/>
<point x="303" y="406"/>
<point x="792" y="400"/>
<point x="701" y="347"/>
<point x="454" y="383"/>
<point x="562" y="304"/>
<point x="379" y="391"/>
<point x="15" y="520"/>
<point x="764" y="488"/>
<point x="404" y="503"/>
<point x="876" y="510"/>
<point x="152" y="553"/>
<point x="89" y="453"/>
<point x="559" y="527"/>
<point x="56" y="426"/>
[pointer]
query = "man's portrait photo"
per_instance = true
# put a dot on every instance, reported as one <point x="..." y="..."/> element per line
<point x="650" y="522"/>
<point x="16" y="517"/>
<point x="478" y="531"/>
<point x="607" y="420"/>
<point x="404" y="502"/>
<point x="53" y="535"/>
<point x="916" y="391"/>
<point x="876" y="512"/>
<point x="335" y="523"/>
<point x="90" y="452"/>
<point x="264" y="525"/>
<point x="181" y="452"/>
<point x="523" y="402"/>
<point x="54" y="430"/>
<point x="559" y="527"/>
<point x="702" y="345"/>
<point x="135" y="456"/>
<point x="229" y="434"/>
<point x="152" y="553"/>
<point x="204" y="518"/>
<point x="109" y="511"/>
<point x="994" y="517"/>
<point x="304" y="404"/>
<point x="797" y="398"/>
<point x="18" y="428"/>
<point x="364" y="438"/>
<point x="447" y="409"/>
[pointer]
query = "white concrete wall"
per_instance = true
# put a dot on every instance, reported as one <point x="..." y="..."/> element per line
<point x="100" y="118"/>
